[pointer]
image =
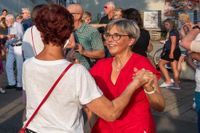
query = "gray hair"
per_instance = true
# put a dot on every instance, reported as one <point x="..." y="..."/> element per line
<point x="125" y="26"/>
<point x="111" y="4"/>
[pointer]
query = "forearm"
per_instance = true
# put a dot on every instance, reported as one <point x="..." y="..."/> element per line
<point x="156" y="101"/>
<point x="155" y="98"/>
<point x="98" y="25"/>
<point x="94" y="54"/>
<point x="111" y="110"/>
<point x="173" y="46"/>
<point x="187" y="40"/>
<point x="150" y="47"/>
<point x="119" y="104"/>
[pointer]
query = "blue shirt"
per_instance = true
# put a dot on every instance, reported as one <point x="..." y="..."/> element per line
<point x="27" y="23"/>
<point x="168" y="41"/>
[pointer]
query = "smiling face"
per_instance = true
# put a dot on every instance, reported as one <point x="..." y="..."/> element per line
<point x="118" y="42"/>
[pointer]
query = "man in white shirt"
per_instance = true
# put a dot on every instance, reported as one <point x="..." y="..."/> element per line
<point x="32" y="43"/>
<point x="14" y="37"/>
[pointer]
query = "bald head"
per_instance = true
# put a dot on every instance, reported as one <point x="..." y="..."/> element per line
<point x="75" y="9"/>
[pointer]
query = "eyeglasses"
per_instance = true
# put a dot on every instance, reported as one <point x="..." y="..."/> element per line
<point x="115" y="36"/>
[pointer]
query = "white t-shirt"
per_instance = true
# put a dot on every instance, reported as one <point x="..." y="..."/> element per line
<point x="61" y="113"/>
<point x="29" y="48"/>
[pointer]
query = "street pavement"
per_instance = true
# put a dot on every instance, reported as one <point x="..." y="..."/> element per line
<point x="178" y="116"/>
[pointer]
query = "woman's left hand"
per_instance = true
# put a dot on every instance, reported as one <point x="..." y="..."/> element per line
<point x="151" y="84"/>
<point x="142" y="77"/>
<point x="80" y="49"/>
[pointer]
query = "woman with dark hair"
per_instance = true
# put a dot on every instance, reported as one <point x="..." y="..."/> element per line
<point x="170" y="54"/>
<point x="62" y="112"/>
<point x="143" y="44"/>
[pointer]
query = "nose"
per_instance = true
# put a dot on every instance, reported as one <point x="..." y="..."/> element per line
<point x="109" y="38"/>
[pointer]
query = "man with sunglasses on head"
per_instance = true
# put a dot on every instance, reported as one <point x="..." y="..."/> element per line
<point x="108" y="8"/>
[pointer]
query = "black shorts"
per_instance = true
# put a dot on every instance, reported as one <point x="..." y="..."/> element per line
<point x="165" y="55"/>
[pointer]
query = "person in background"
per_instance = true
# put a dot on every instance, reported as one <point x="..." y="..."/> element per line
<point x="19" y="18"/>
<point x="143" y="44"/>
<point x="108" y="8"/>
<point x="87" y="17"/>
<point x="3" y="33"/>
<point x="114" y="74"/>
<point x="118" y="13"/>
<point x="27" y="21"/>
<point x="170" y="54"/>
<point x="187" y="25"/>
<point x="2" y="91"/>
<point x="76" y="88"/>
<point x="14" y="44"/>
<point x="192" y="42"/>
<point x="4" y="13"/>
<point x="32" y="43"/>
<point x="89" y="45"/>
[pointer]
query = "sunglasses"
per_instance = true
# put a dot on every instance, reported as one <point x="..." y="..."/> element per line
<point x="105" y="7"/>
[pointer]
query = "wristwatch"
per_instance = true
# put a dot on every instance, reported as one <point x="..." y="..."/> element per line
<point x="196" y="27"/>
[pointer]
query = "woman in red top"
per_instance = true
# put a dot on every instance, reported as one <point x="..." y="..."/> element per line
<point x="114" y="74"/>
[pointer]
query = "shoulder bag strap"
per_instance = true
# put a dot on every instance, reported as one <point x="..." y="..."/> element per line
<point x="47" y="95"/>
<point x="34" y="50"/>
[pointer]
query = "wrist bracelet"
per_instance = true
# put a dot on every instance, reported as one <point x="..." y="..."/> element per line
<point x="150" y="92"/>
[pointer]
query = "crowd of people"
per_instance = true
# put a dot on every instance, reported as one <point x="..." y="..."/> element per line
<point x="108" y="73"/>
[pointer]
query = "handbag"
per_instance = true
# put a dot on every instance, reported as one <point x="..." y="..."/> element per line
<point x="24" y="129"/>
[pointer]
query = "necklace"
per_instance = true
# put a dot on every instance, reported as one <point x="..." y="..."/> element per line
<point x="118" y="66"/>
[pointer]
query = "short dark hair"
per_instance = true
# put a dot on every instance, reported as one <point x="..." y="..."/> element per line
<point x="55" y="24"/>
<point x="4" y="10"/>
<point x="133" y="14"/>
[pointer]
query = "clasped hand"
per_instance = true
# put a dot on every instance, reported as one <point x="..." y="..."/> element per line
<point x="143" y="78"/>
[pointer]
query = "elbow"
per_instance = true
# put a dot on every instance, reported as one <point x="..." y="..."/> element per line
<point x="160" y="109"/>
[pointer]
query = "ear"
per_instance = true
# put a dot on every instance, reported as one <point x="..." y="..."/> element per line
<point x="132" y="41"/>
